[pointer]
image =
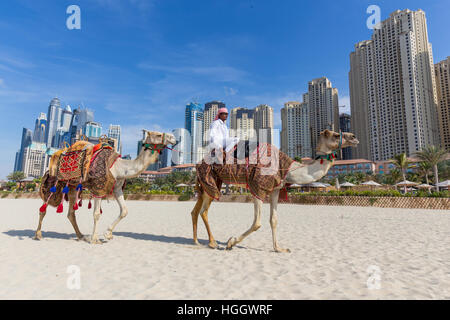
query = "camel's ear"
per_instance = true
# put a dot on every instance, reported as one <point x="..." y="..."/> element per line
<point x="326" y="133"/>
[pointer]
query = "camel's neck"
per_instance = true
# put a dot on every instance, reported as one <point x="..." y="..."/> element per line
<point x="132" y="168"/>
<point x="302" y="174"/>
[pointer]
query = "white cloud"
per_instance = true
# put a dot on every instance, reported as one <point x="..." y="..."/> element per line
<point x="2" y="82"/>
<point x="230" y="91"/>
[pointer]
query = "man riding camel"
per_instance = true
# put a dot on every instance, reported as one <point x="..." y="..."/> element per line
<point x="220" y="140"/>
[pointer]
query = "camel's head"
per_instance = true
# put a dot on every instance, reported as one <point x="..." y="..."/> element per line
<point x="330" y="141"/>
<point x="154" y="137"/>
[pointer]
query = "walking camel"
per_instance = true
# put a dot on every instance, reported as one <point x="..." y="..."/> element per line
<point x="210" y="178"/>
<point x="120" y="170"/>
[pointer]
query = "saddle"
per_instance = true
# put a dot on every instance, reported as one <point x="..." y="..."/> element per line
<point x="70" y="167"/>
<point x="263" y="171"/>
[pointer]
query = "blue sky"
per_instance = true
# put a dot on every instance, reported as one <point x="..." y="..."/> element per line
<point x="138" y="63"/>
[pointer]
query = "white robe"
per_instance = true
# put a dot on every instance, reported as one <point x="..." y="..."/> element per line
<point x="219" y="136"/>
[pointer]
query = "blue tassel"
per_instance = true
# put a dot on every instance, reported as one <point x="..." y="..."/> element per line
<point x="79" y="187"/>
<point x="66" y="189"/>
<point x="53" y="189"/>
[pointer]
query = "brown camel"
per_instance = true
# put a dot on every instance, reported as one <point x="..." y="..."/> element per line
<point x="295" y="172"/>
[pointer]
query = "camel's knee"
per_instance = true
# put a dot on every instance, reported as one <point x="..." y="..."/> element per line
<point x="123" y="213"/>
<point x="256" y="226"/>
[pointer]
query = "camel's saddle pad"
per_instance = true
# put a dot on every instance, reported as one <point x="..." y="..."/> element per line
<point x="262" y="175"/>
<point x="98" y="178"/>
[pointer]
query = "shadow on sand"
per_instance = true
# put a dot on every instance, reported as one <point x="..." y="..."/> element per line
<point x="45" y="234"/>
<point x="21" y="234"/>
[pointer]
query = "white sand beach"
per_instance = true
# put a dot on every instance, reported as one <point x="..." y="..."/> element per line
<point x="334" y="253"/>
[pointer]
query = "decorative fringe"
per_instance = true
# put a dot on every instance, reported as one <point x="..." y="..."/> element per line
<point x="89" y="204"/>
<point x="80" y="203"/>
<point x="43" y="208"/>
<point x="75" y="206"/>
<point x="101" y="211"/>
<point x="60" y="208"/>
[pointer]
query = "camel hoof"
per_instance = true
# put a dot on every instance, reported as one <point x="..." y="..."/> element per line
<point x="108" y="236"/>
<point x="37" y="236"/>
<point x="213" y="245"/>
<point x="91" y="240"/>
<point x="231" y="242"/>
<point x="196" y="242"/>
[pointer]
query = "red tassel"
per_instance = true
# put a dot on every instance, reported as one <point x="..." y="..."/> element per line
<point x="321" y="161"/>
<point x="80" y="203"/>
<point x="60" y="208"/>
<point x="89" y="204"/>
<point x="101" y="211"/>
<point x="75" y="206"/>
<point x="43" y="208"/>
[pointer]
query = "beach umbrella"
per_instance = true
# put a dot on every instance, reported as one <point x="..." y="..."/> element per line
<point x="444" y="184"/>
<point x="371" y="183"/>
<point x="406" y="183"/>
<point x="182" y="185"/>
<point x="295" y="186"/>
<point x="424" y="186"/>
<point x="316" y="185"/>
<point x="348" y="184"/>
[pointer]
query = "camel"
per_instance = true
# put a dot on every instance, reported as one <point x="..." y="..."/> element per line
<point x="121" y="169"/>
<point x="297" y="173"/>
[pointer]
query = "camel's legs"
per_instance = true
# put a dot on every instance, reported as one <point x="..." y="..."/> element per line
<point x="206" y="203"/>
<point x="71" y="213"/>
<point x="94" y="236"/>
<point x="194" y="213"/>
<point x="255" y="226"/>
<point x="38" y="234"/>
<point x="118" y="194"/>
<point x="274" y="221"/>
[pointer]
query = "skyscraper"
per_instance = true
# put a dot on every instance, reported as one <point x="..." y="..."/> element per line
<point x="345" y="126"/>
<point x="392" y="83"/>
<point x="26" y="141"/>
<point x="39" y="128"/>
<point x="243" y="123"/>
<point x="53" y="121"/>
<point x="209" y="113"/>
<point x="442" y="71"/>
<point x="323" y="105"/>
<point x="360" y="80"/>
<point x="92" y="129"/>
<point x="193" y="122"/>
<point x="114" y="132"/>
<point x="263" y="122"/>
<point x="295" y="130"/>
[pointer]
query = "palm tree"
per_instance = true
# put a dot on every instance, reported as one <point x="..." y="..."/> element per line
<point x="424" y="169"/>
<point x="393" y="176"/>
<point x="433" y="155"/>
<point x="402" y="163"/>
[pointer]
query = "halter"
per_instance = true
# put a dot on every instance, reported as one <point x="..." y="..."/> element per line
<point x="155" y="147"/>
<point x="333" y="154"/>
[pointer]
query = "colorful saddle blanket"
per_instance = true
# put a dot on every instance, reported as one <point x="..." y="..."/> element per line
<point x="263" y="171"/>
<point x="97" y="177"/>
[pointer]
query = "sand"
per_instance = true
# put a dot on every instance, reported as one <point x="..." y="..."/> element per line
<point x="337" y="253"/>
